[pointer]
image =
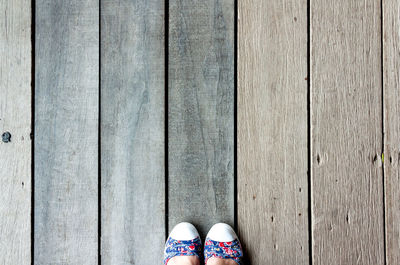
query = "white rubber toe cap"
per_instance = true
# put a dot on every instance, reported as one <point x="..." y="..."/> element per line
<point x="184" y="231"/>
<point x="222" y="232"/>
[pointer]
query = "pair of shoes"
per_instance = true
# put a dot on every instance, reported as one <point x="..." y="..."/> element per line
<point x="221" y="242"/>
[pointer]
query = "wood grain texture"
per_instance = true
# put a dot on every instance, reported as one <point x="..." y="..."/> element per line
<point x="15" y="118"/>
<point x="346" y="109"/>
<point x="66" y="132"/>
<point x="391" y="90"/>
<point x="272" y="131"/>
<point x="201" y="112"/>
<point x="132" y="131"/>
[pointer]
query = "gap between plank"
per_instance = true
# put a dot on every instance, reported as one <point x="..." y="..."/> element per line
<point x="383" y="135"/>
<point x="166" y="50"/>
<point x="309" y="150"/>
<point x="235" y="176"/>
<point x="99" y="150"/>
<point x="32" y="136"/>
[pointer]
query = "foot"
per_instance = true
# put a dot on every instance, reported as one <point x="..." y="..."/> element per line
<point x="222" y="246"/>
<point x="183" y="246"/>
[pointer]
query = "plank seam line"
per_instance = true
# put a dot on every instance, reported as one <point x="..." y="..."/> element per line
<point x="309" y="132"/>
<point x="166" y="112"/>
<point x="235" y="110"/>
<point x="33" y="40"/>
<point x="99" y="148"/>
<point x="383" y="132"/>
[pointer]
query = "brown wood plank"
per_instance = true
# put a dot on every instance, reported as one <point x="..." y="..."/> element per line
<point x="346" y="111"/>
<point x="272" y="131"/>
<point x="66" y="132"/>
<point x="132" y="132"/>
<point x="201" y="112"/>
<point x="391" y="85"/>
<point x="15" y="130"/>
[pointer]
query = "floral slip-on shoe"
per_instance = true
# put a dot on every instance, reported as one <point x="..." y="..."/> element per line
<point x="184" y="240"/>
<point x="222" y="242"/>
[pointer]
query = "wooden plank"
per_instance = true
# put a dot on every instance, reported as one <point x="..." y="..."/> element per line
<point x="201" y="112"/>
<point x="346" y="110"/>
<point x="391" y="86"/>
<point x="15" y="129"/>
<point x="66" y="132"/>
<point x="132" y="131"/>
<point x="272" y="131"/>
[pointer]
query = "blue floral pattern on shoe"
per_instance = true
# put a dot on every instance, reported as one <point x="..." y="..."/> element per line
<point x="223" y="250"/>
<point x="175" y="248"/>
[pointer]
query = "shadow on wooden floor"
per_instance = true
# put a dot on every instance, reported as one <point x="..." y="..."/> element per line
<point x="246" y="257"/>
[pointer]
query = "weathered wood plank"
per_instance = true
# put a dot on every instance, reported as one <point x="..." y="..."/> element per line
<point x="272" y="131"/>
<point x="391" y="85"/>
<point x="132" y="131"/>
<point x="15" y="122"/>
<point x="201" y="112"/>
<point x="66" y="132"/>
<point x="347" y="190"/>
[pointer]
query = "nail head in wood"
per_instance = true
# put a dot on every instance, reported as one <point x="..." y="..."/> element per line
<point x="6" y="137"/>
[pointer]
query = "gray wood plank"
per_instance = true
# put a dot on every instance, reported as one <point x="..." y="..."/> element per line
<point x="66" y="132"/>
<point x="272" y="131"/>
<point x="132" y="131"/>
<point x="347" y="190"/>
<point x="391" y="86"/>
<point x="15" y="122"/>
<point x="200" y="112"/>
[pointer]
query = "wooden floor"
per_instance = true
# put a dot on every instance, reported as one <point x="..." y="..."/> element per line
<point x="120" y="119"/>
